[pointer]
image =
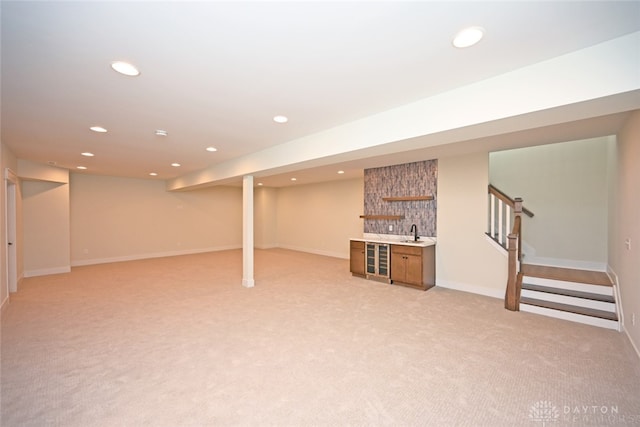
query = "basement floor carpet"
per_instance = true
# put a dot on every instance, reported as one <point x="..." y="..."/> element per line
<point x="179" y="342"/>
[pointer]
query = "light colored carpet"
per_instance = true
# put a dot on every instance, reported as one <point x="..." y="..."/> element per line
<point x="179" y="342"/>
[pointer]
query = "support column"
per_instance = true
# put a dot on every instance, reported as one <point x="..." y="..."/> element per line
<point x="247" y="231"/>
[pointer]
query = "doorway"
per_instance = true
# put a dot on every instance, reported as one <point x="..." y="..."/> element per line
<point x="11" y="181"/>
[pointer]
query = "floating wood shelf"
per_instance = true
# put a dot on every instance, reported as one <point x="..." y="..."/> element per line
<point x="382" y="216"/>
<point x="406" y="198"/>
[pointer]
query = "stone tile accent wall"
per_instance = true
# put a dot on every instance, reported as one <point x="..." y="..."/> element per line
<point x="409" y="179"/>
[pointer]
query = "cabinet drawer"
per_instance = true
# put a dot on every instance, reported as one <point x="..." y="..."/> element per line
<point x="357" y="244"/>
<point x="407" y="250"/>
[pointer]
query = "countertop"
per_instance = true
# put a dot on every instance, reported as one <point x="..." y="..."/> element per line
<point x="397" y="240"/>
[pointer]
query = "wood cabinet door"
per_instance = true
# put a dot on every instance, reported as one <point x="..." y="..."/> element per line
<point x="398" y="267"/>
<point x="413" y="269"/>
<point x="357" y="258"/>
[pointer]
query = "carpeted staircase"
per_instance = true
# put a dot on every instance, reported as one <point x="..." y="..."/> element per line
<point x="577" y="295"/>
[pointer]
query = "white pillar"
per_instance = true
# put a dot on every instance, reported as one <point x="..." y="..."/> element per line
<point x="247" y="232"/>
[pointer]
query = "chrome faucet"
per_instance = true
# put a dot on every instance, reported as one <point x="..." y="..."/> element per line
<point x="414" y="230"/>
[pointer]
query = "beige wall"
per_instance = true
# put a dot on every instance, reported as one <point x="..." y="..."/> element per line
<point x="40" y="172"/>
<point x="45" y="218"/>
<point x="625" y="224"/>
<point x="119" y="218"/>
<point x="116" y="219"/>
<point x="466" y="259"/>
<point x="566" y="186"/>
<point x="320" y="218"/>
<point x="265" y="217"/>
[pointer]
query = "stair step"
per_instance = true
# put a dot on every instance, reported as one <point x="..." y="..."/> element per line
<point x="574" y="286"/>
<point x="599" y="278"/>
<point x="568" y="292"/>
<point x="571" y="317"/>
<point x="569" y="300"/>
<point x="570" y="308"/>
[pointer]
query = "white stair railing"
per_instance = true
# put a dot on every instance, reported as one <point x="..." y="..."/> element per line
<point x="500" y="219"/>
<point x="505" y="227"/>
<point x="501" y="215"/>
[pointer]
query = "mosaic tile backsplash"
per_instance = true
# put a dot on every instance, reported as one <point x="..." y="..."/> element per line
<point x="409" y="179"/>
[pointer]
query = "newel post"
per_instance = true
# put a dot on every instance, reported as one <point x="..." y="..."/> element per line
<point x="511" y="295"/>
<point x="517" y="206"/>
<point x="517" y="210"/>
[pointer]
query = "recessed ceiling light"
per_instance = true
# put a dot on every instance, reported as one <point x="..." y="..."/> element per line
<point x="98" y="129"/>
<point x="153" y="174"/>
<point x="87" y="154"/>
<point x="293" y="179"/>
<point x="340" y="172"/>
<point x="125" y="68"/>
<point x="259" y="183"/>
<point x="281" y="119"/>
<point x="81" y="167"/>
<point x="468" y="37"/>
<point x="211" y="149"/>
<point x="175" y="165"/>
<point x="161" y="132"/>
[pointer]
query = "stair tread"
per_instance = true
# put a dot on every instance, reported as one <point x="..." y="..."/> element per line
<point x="567" y="274"/>
<point x="570" y="308"/>
<point x="568" y="292"/>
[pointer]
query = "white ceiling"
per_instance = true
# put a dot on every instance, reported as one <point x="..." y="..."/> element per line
<point x="215" y="73"/>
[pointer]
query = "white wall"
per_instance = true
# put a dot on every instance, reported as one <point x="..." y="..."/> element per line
<point x="625" y="224"/>
<point x="320" y="218"/>
<point x="116" y="219"/>
<point x="465" y="257"/>
<point x="566" y="186"/>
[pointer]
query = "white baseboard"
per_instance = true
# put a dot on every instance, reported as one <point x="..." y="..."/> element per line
<point x="47" y="271"/>
<point x="269" y="246"/>
<point x="94" y="261"/>
<point x="4" y="305"/>
<point x="474" y="289"/>
<point x="315" y="251"/>
<point x="617" y="295"/>
<point x="633" y="344"/>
